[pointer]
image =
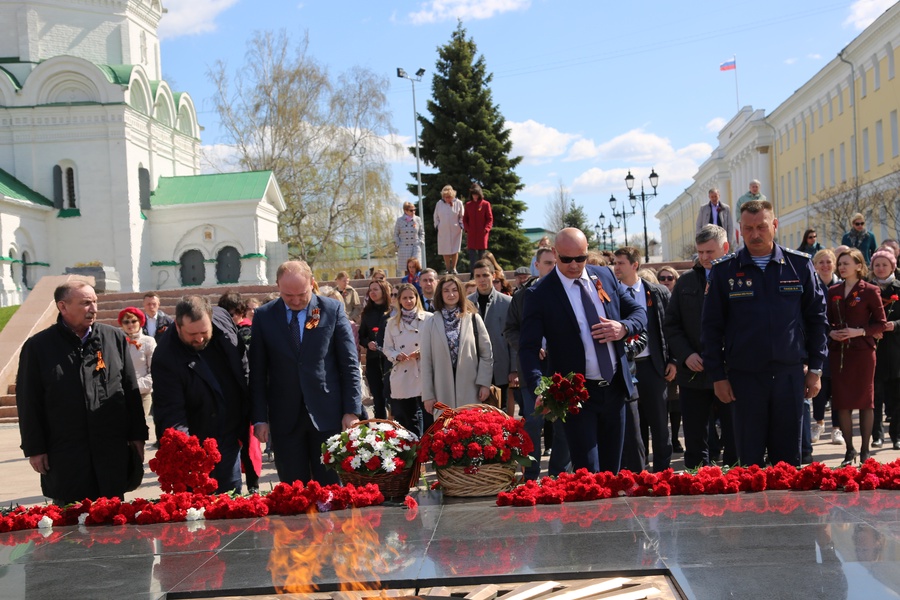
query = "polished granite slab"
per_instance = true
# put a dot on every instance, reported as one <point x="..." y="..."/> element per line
<point x="764" y="545"/>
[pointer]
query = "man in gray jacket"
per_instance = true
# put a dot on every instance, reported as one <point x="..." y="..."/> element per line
<point x="716" y="213"/>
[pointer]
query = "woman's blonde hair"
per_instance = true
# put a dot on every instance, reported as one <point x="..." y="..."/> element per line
<point x="448" y="189"/>
<point x="404" y="287"/>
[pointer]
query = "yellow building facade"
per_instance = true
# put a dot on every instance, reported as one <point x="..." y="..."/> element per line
<point x="830" y="149"/>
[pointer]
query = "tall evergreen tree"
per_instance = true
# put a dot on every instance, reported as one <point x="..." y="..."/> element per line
<point x="467" y="142"/>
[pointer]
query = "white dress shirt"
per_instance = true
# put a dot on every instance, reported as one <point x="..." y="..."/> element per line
<point x="592" y="367"/>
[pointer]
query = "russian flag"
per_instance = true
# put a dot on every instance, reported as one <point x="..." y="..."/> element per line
<point x="728" y="65"/>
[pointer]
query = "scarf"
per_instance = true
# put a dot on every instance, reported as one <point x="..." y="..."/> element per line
<point x="451" y="318"/>
<point x="883" y="283"/>
<point x="408" y="316"/>
<point x="133" y="342"/>
<point x="858" y="237"/>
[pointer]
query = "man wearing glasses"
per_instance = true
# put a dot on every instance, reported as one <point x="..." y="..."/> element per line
<point x="579" y="302"/>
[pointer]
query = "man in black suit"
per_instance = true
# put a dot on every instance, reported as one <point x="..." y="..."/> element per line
<point x="573" y="303"/>
<point x="157" y="321"/>
<point x="654" y="369"/>
<point x="304" y="375"/>
<point x="200" y="382"/>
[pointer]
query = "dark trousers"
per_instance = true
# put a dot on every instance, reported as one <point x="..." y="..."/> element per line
<point x="534" y="426"/>
<point x="768" y="414"/>
<point x="634" y="453"/>
<point x="249" y="469"/>
<point x="697" y="405"/>
<point x="408" y="413"/>
<point x="821" y="400"/>
<point x="596" y="434"/>
<point x="299" y="455"/>
<point x="228" y="470"/>
<point x="652" y="406"/>
<point x="474" y="257"/>
<point x="375" y="379"/>
<point x="887" y="397"/>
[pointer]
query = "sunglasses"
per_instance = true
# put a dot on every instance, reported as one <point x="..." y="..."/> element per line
<point x="568" y="259"/>
<point x="859" y="223"/>
<point x="129" y="321"/>
<point x="665" y="278"/>
<point x="811" y="237"/>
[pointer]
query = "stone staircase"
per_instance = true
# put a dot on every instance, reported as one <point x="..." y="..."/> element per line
<point x="8" y="411"/>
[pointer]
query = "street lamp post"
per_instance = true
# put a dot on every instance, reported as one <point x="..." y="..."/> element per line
<point x="654" y="181"/>
<point x="623" y="216"/>
<point x="402" y="74"/>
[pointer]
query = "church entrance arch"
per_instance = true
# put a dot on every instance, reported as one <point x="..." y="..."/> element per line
<point x="228" y="265"/>
<point x="25" y="283"/>
<point x="193" y="271"/>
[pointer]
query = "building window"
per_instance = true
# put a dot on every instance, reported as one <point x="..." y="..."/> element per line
<point x="831" y="167"/>
<point x="821" y="110"/>
<point x="796" y="131"/>
<point x="876" y="74"/>
<point x="890" y="61"/>
<point x="853" y="166"/>
<point x="843" y="157"/>
<point x="830" y="108"/>
<point x="797" y="182"/>
<point x="822" y="170"/>
<point x="143" y="188"/>
<point x="895" y="143"/>
<point x="790" y="190"/>
<point x="812" y="122"/>
<point x="64" y="186"/>
<point x="812" y="175"/>
<point x="782" y="192"/>
<point x="840" y="97"/>
<point x="863" y="85"/>
<point x="879" y="142"/>
<point x="865" y="149"/>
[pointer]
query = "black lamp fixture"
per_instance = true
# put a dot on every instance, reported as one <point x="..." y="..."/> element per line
<point x="644" y="197"/>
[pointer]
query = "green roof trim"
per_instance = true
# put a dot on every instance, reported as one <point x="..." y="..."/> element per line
<point x="68" y="213"/>
<point x="143" y="216"/>
<point x="210" y="261"/>
<point x="164" y="263"/>
<point x="7" y="259"/>
<point x="176" y="98"/>
<point x="119" y="74"/>
<point x="37" y="264"/>
<point x="254" y="255"/>
<point x="217" y="187"/>
<point x="13" y="188"/>
<point x="12" y="78"/>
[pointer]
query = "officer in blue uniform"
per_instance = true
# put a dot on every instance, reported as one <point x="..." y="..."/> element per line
<point x="763" y="320"/>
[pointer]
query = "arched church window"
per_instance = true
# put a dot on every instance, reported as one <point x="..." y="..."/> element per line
<point x="70" y="188"/>
<point x="25" y="259"/>
<point x="144" y="187"/>
<point x="228" y="265"/>
<point x="64" y="186"/>
<point x="193" y="271"/>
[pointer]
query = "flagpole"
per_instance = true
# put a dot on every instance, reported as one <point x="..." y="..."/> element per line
<point x="737" y="97"/>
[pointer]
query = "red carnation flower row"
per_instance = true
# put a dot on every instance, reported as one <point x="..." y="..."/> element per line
<point x="284" y="499"/>
<point x="475" y="436"/>
<point x="582" y="485"/>
<point x="559" y="396"/>
<point x="183" y="464"/>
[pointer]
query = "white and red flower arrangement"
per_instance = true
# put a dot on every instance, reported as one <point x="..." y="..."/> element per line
<point x="183" y="464"/>
<point x="475" y="436"/>
<point x="583" y="485"/>
<point x="559" y="396"/>
<point x="371" y="449"/>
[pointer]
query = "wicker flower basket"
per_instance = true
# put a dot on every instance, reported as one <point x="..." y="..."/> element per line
<point x="392" y="485"/>
<point x="490" y="480"/>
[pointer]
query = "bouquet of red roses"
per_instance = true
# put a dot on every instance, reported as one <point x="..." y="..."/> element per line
<point x="183" y="464"/>
<point x="476" y="436"/>
<point x="558" y="396"/>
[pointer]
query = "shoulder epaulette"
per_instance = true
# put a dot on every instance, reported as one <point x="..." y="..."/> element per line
<point x="722" y="259"/>
<point x="798" y="253"/>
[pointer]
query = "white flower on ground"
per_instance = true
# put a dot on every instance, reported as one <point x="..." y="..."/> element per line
<point x="195" y="514"/>
<point x="82" y="518"/>
<point x="45" y="522"/>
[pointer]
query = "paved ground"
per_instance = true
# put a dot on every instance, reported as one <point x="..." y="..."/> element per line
<point x="21" y="485"/>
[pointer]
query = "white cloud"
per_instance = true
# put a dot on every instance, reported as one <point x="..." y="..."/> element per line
<point x="716" y="125"/>
<point x="583" y="149"/>
<point x="540" y="189"/>
<point x="191" y="17"/>
<point x="790" y="61"/>
<point x="814" y="56"/>
<point x="537" y="142"/>
<point x="219" y="158"/>
<point x="864" y="12"/>
<point x="434" y="11"/>
<point x="635" y="146"/>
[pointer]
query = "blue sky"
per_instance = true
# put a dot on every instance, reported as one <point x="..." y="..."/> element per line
<point x="589" y="88"/>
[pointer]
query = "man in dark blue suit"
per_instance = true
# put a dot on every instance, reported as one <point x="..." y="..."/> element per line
<point x="584" y="314"/>
<point x="304" y="375"/>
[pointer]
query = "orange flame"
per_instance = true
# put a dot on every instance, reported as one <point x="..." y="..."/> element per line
<point x="349" y="544"/>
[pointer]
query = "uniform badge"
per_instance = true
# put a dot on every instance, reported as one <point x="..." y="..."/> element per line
<point x="731" y="283"/>
<point x="749" y="283"/>
<point x="740" y="282"/>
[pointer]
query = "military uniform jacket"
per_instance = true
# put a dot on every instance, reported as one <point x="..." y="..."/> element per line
<point x="757" y="321"/>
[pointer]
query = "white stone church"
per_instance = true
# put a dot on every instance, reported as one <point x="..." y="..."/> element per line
<point x="100" y="159"/>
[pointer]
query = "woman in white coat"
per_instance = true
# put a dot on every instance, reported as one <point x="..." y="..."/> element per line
<point x="402" y="339"/>
<point x="457" y="362"/>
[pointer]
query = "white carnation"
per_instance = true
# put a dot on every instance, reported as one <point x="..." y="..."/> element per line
<point x="45" y="522"/>
<point x="365" y="455"/>
<point x="82" y="518"/>
<point x="195" y="514"/>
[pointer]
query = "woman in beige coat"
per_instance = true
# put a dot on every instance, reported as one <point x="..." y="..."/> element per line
<point x="402" y="339"/>
<point x="456" y="369"/>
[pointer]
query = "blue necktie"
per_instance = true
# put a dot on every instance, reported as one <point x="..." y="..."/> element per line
<point x="590" y="311"/>
<point x="295" y="330"/>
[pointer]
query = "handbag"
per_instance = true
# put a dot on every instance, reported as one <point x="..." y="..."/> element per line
<point x="134" y="473"/>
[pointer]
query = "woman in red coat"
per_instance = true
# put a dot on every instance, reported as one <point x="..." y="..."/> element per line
<point x="856" y="315"/>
